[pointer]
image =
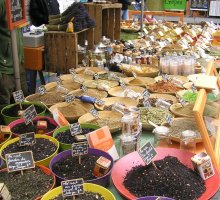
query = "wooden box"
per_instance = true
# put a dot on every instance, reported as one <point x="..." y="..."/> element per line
<point x="61" y="49"/>
<point x="107" y="18"/>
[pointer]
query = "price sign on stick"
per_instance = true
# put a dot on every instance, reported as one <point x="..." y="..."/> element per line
<point x="146" y="103"/>
<point x="19" y="161"/>
<point x="27" y="139"/>
<point x="72" y="187"/>
<point x="69" y="98"/>
<point x="146" y="94"/>
<point x="84" y="88"/>
<point x="168" y="119"/>
<point x="182" y="101"/>
<point x="75" y="129"/>
<point x="134" y="75"/>
<point x="95" y="76"/>
<point x="122" y="84"/>
<point x="59" y="81"/>
<point x="194" y="89"/>
<point x="147" y="153"/>
<point x="72" y="71"/>
<point x="18" y="96"/>
<point x="79" y="149"/>
<point x="165" y="77"/>
<point x="29" y="114"/>
<point x="42" y="90"/>
<point x="100" y="102"/>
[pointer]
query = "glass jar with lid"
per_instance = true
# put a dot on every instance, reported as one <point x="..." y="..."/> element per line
<point x="161" y="136"/>
<point x="188" y="140"/>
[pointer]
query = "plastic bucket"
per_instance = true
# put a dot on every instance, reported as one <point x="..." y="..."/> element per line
<point x="87" y="187"/>
<point x="46" y="171"/>
<point x="51" y="120"/>
<point x="44" y="162"/>
<point x="8" y="119"/>
<point x="104" y="180"/>
<point x="10" y="134"/>
<point x="64" y="146"/>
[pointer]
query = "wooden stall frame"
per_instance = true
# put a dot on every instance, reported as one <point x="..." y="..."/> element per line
<point x="198" y="110"/>
<point x="211" y="71"/>
<point x="158" y="13"/>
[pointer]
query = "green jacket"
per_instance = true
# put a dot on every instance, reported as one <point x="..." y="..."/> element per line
<point x="6" y="59"/>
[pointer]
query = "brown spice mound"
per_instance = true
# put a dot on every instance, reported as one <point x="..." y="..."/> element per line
<point x="92" y="92"/>
<point x="163" y="86"/>
<point x="75" y="109"/>
<point x="49" y="98"/>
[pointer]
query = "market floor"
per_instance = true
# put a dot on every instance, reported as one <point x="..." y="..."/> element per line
<point x="217" y="196"/>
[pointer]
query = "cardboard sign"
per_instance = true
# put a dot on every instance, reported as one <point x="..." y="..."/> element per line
<point x="72" y="187"/>
<point x="19" y="161"/>
<point x="147" y="153"/>
<point x="42" y="90"/>
<point x="69" y="98"/>
<point x="29" y="114"/>
<point x="18" y="96"/>
<point x="27" y="139"/>
<point x="79" y="149"/>
<point x="75" y="129"/>
<point x="16" y="13"/>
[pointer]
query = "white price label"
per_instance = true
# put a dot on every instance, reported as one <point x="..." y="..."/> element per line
<point x="42" y="89"/>
<point x="18" y="96"/>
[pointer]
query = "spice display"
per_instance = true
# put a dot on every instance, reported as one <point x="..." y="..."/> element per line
<point x="27" y="186"/>
<point x="171" y="179"/>
<point x="107" y="121"/>
<point x="49" y="98"/>
<point x="179" y="125"/>
<point x="191" y="96"/>
<point x="91" y="92"/>
<point x="85" y="196"/>
<point x="156" y="115"/>
<point x="41" y="149"/>
<point x="164" y="87"/>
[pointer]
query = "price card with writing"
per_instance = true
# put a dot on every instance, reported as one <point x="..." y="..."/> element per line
<point x="146" y="94"/>
<point x="75" y="129"/>
<point x="100" y="102"/>
<point x="194" y="89"/>
<point x="19" y="161"/>
<point x="168" y="119"/>
<point x="29" y="114"/>
<point x="69" y="98"/>
<point x="72" y="187"/>
<point x="94" y="113"/>
<point x="95" y="76"/>
<point x="165" y="77"/>
<point x="72" y="71"/>
<point x="79" y="149"/>
<point x="18" y="96"/>
<point x="27" y="139"/>
<point x="122" y="84"/>
<point x="147" y="153"/>
<point x="182" y="101"/>
<point x="84" y="88"/>
<point x="146" y="103"/>
<point x="59" y="81"/>
<point x="42" y="90"/>
<point x="84" y="63"/>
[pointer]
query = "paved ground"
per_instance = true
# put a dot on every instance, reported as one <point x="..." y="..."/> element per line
<point x="217" y="196"/>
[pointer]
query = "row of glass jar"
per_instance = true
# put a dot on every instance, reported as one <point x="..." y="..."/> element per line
<point x="178" y="65"/>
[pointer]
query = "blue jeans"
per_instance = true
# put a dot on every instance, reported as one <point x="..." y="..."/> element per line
<point x="124" y="15"/>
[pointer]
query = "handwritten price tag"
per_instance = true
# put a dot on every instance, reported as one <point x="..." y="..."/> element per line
<point x="18" y="96"/>
<point x="79" y="149"/>
<point x="42" y="90"/>
<point x="84" y="88"/>
<point x="122" y="84"/>
<point x="72" y="71"/>
<point x="59" y="81"/>
<point x="69" y="98"/>
<point x="29" y="114"/>
<point x="72" y="187"/>
<point x="100" y="102"/>
<point x="75" y="129"/>
<point x="147" y="153"/>
<point x="94" y="113"/>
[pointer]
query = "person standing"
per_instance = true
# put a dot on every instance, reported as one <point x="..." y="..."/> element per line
<point x="40" y="10"/>
<point x="7" y="80"/>
<point x="124" y="9"/>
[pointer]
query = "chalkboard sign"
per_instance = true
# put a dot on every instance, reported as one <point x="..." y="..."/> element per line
<point x="79" y="149"/>
<point x="18" y="96"/>
<point x="72" y="187"/>
<point x="27" y="139"/>
<point x="29" y="114"/>
<point x="16" y="13"/>
<point x="19" y="161"/>
<point x="147" y="152"/>
<point x="69" y="98"/>
<point x="75" y="129"/>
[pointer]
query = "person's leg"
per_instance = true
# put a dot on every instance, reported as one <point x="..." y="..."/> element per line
<point x="126" y="14"/>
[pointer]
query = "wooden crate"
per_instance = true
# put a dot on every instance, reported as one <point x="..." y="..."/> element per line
<point x="61" y="49"/>
<point x="107" y="18"/>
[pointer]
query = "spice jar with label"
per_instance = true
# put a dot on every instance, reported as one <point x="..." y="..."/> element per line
<point x="188" y="140"/>
<point x="161" y="136"/>
<point x="128" y="144"/>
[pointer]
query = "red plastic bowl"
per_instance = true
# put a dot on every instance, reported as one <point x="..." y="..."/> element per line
<point x="126" y="163"/>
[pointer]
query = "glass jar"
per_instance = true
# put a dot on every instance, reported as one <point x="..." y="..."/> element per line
<point x="128" y="144"/>
<point x="188" y="141"/>
<point x="161" y="136"/>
